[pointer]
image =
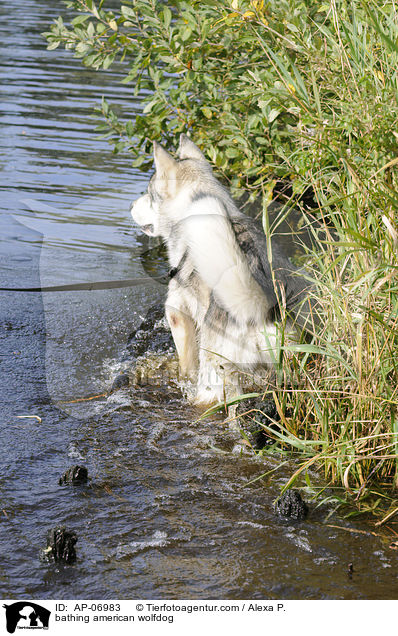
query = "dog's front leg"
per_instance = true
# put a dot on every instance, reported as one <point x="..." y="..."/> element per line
<point x="183" y="331"/>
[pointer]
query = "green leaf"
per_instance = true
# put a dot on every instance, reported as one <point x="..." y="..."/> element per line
<point x="273" y="114"/>
<point x="108" y="61"/>
<point x="148" y="107"/>
<point x="90" y="30"/>
<point x="233" y="152"/>
<point x="128" y="13"/>
<point x="53" y="45"/>
<point x="186" y="33"/>
<point x="82" y="48"/>
<point x="139" y="161"/>
<point x="292" y="27"/>
<point x="167" y="15"/>
<point x="207" y="112"/>
<point x="80" y="19"/>
<point x="130" y="131"/>
<point x="105" y="106"/>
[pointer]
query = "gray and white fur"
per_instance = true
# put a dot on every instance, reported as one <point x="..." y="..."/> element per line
<point x="224" y="304"/>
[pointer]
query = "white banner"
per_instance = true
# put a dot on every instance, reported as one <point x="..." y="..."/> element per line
<point x="182" y="617"/>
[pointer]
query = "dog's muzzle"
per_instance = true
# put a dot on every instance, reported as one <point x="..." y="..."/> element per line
<point x="141" y="214"/>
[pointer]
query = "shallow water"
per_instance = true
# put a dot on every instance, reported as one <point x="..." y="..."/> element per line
<point x="168" y="512"/>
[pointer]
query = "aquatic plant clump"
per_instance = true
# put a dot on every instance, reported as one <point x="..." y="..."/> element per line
<point x="294" y="101"/>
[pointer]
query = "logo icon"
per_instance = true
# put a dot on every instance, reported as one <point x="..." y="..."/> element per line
<point x="26" y="615"/>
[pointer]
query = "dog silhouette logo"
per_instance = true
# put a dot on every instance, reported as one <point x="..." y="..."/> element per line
<point x="26" y="615"/>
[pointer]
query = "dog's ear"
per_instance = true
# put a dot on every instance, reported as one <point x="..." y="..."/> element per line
<point x="166" y="171"/>
<point x="164" y="162"/>
<point x="188" y="150"/>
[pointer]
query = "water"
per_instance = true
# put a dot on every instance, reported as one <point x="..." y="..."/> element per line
<point x="169" y="512"/>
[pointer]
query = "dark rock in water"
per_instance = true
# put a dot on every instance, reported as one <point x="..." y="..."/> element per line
<point x="291" y="505"/>
<point x="153" y="335"/>
<point x="60" y="546"/>
<point x="250" y="423"/>
<point x="75" y="475"/>
<point x="120" y="382"/>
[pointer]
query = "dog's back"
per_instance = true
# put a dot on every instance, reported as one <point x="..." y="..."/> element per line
<point x="284" y="284"/>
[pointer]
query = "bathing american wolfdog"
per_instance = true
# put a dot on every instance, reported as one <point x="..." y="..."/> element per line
<point x="224" y="304"/>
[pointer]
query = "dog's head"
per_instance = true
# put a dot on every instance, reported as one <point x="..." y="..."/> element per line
<point x="173" y="179"/>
